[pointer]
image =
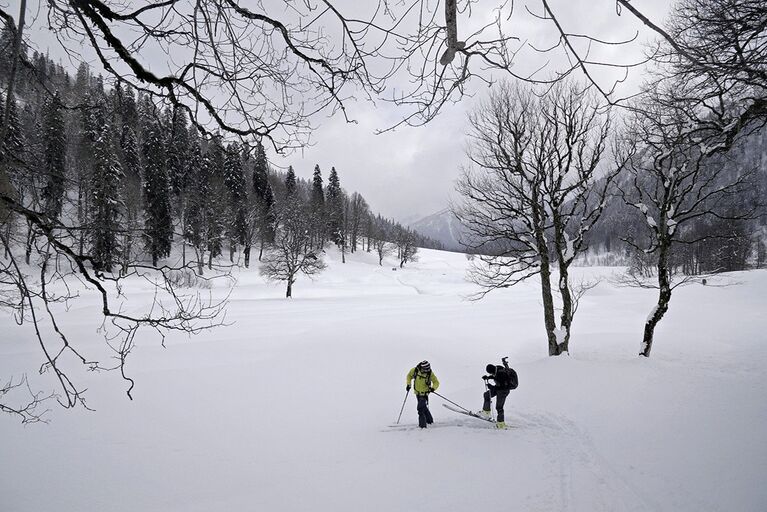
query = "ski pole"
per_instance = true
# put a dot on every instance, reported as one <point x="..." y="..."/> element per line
<point x="407" y="392"/>
<point x="448" y="400"/>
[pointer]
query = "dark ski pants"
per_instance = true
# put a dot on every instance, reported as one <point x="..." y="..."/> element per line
<point x="500" y="399"/>
<point x="424" y="416"/>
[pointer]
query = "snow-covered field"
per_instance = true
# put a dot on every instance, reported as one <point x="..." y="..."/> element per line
<point x="289" y="407"/>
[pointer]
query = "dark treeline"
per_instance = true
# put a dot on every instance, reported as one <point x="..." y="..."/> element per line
<point x="720" y="244"/>
<point x="716" y="244"/>
<point x="128" y="178"/>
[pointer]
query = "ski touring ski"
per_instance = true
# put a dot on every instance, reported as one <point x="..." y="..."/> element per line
<point x="472" y="414"/>
<point x="467" y="413"/>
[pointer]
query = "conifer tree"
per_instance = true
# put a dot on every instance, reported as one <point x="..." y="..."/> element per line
<point x="105" y="203"/>
<point x="234" y="179"/>
<point x="129" y="110"/>
<point x="196" y="207"/>
<point x="215" y="204"/>
<point x="178" y="151"/>
<point x="290" y="182"/>
<point x="12" y="155"/>
<point x="334" y="204"/>
<point x="264" y="197"/>
<point x="82" y="80"/>
<point x="158" y="221"/>
<point x="317" y="209"/>
<point x="131" y="188"/>
<point x="54" y="138"/>
<point x="13" y="144"/>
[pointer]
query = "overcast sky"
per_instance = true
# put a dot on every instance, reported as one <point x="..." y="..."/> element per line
<point x="410" y="173"/>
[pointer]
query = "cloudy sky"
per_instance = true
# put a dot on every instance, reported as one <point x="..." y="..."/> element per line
<point x="410" y="172"/>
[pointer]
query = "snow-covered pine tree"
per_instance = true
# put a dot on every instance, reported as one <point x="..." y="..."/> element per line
<point x="215" y="204"/>
<point x="290" y="182"/>
<point x="234" y="179"/>
<point x="106" y="204"/>
<point x="196" y="207"/>
<point x="128" y="110"/>
<point x="54" y="156"/>
<point x="158" y="221"/>
<point x="12" y="155"/>
<point x="334" y="207"/>
<point x="264" y="196"/>
<point x="131" y="192"/>
<point x="178" y="151"/>
<point x="317" y="209"/>
<point x="13" y="144"/>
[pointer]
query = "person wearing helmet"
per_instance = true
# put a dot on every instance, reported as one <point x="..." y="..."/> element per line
<point x="424" y="381"/>
<point x="505" y="379"/>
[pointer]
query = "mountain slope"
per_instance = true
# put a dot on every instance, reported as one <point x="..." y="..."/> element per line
<point x="443" y="227"/>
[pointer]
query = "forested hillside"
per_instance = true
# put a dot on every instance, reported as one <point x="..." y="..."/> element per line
<point x="127" y="177"/>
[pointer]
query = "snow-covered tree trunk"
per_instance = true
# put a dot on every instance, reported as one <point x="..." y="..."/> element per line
<point x="664" y="297"/>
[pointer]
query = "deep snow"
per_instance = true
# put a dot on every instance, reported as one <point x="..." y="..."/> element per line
<point x="289" y="407"/>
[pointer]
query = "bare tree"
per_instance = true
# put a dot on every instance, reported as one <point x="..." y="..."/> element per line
<point x="291" y="254"/>
<point x="713" y="58"/>
<point x="405" y="241"/>
<point x="536" y="191"/>
<point x="676" y="178"/>
<point x="381" y="243"/>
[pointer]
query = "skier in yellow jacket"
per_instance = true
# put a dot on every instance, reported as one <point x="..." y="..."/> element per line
<point x="424" y="382"/>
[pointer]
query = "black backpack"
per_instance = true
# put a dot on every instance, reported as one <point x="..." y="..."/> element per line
<point x="506" y="378"/>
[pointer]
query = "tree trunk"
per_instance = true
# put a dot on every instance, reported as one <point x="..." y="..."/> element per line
<point x="210" y="260"/>
<point x="289" y="292"/>
<point x="200" y="261"/>
<point x="261" y="251"/>
<point x="566" y="320"/>
<point x="548" y="300"/>
<point x="231" y="252"/>
<point x="30" y="241"/>
<point x="7" y="238"/>
<point x="664" y="297"/>
<point x="246" y="252"/>
<point x="555" y="348"/>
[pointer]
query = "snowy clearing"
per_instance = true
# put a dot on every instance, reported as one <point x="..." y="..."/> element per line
<point x="289" y="408"/>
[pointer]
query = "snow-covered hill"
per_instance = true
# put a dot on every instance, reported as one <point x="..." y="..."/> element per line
<point x="289" y="408"/>
<point x="443" y="227"/>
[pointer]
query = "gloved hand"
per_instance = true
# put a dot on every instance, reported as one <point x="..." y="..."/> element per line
<point x="485" y="377"/>
<point x="431" y="389"/>
<point x="407" y="388"/>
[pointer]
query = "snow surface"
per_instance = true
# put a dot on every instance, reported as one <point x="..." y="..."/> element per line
<point x="289" y="407"/>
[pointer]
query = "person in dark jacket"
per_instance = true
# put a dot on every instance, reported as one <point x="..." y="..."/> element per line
<point x="505" y="379"/>
<point x="424" y="382"/>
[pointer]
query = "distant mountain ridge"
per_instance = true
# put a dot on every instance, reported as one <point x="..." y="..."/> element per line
<point x="443" y="227"/>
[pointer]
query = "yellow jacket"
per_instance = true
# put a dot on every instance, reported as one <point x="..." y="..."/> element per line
<point x="422" y="381"/>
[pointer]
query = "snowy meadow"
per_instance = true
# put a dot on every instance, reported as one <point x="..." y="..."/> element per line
<point x="290" y="406"/>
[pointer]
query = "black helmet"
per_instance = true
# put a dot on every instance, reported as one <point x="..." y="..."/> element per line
<point x="490" y="368"/>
